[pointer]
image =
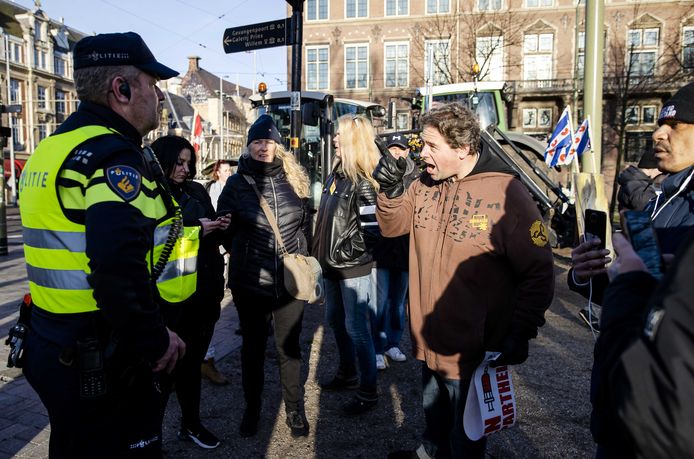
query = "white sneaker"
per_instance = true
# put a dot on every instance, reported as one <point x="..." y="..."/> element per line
<point x="381" y="363"/>
<point x="396" y="354"/>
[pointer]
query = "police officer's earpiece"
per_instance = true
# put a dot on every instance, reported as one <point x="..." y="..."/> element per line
<point x="124" y="88"/>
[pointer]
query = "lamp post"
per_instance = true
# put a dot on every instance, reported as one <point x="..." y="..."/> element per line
<point x="13" y="178"/>
<point x="222" y="95"/>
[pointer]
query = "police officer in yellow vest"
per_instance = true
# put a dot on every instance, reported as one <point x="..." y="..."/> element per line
<point x="98" y="225"/>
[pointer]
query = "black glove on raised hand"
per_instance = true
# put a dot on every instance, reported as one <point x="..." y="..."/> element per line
<point x="389" y="173"/>
<point x="514" y="351"/>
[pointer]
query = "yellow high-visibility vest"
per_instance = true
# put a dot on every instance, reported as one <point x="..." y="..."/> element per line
<point x="54" y="246"/>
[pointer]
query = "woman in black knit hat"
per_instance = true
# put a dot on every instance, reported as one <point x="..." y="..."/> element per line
<point x="256" y="275"/>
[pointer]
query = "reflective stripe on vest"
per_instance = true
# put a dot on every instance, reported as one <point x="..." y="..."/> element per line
<point x="177" y="282"/>
<point x="54" y="247"/>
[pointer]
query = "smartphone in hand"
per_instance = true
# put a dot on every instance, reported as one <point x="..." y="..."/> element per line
<point x="596" y="226"/>
<point x="638" y="228"/>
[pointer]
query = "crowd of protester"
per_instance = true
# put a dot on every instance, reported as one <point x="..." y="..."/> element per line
<point x="455" y="240"/>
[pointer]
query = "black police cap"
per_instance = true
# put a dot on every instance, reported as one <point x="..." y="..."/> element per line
<point x="108" y="49"/>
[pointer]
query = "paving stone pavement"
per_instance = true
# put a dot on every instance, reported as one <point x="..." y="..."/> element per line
<point x="24" y="427"/>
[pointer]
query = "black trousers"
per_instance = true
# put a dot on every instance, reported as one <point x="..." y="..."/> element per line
<point x="255" y="315"/>
<point x="195" y="327"/>
<point x="124" y="423"/>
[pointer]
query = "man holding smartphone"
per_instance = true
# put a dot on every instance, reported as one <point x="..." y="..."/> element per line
<point x="672" y="218"/>
<point x="671" y="215"/>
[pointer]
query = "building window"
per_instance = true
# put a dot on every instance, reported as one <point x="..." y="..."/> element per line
<point x="642" y="46"/>
<point x="316" y="68"/>
<point x="397" y="7"/>
<point x="539" y="3"/>
<point x="489" y="5"/>
<point x="37" y="32"/>
<point x="356" y="66"/>
<point x="489" y="54"/>
<point x="397" y="64"/>
<point x="41" y="97"/>
<point x="537" y="56"/>
<point x="438" y="6"/>
<point x="632" y="115"/>
<point x="637" y="143"/>
<point x="688" y="47"/>
<point x="436" y="63"/>
<point x="18" y="133"/>
<point x="529" y="118"/>
<point x="356" y="8"/>
<point x="60" y="107"/>
<point x="581" y="56"/>
<point x="316" y="10"/>
<point x="544" y="117"/>
<point x="39" y="59"/>
<point x="648" y="114"/>
<point x="42" y="131"/>
<point x="403" y="121"/>
<point x="537" y="118"/>
<point x="15" y="92"/>
<point x="16" y="53"/>
<point x="59" y="66"/>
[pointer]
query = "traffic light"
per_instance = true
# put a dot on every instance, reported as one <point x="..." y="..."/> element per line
<point x="417" y="103"/>
<point x="6" y="132"/>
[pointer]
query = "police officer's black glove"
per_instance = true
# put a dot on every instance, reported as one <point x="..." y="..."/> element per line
<point x="389" y="173"/>
<point x="514" y="351"/>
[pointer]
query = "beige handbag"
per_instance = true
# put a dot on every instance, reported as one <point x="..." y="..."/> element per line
<point x="303" y="276"/>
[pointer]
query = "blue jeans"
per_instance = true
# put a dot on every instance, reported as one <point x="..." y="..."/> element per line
<point x="350" y="305"/>
<point x="444" y="405"/>
<point x="390" y="309"/>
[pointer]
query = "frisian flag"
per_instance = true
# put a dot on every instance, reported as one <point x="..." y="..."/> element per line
<point x="581" y="141"/>
<point x="560" y="141"/>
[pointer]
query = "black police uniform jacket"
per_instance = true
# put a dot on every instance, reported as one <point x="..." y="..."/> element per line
<point x="642" y="386"/>
<point x="346" y="228"/>
<point x="255" y="265"/>
<point x="118" y="238"/>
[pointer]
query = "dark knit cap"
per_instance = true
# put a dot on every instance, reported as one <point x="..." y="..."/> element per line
<point x="680" y="107"/>
<point x="109" y="49"/>
<point x="648" y="160"/>
<point x="263" y="128"/>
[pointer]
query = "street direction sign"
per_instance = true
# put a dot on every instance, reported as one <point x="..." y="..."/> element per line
<point x="256" y="36"/>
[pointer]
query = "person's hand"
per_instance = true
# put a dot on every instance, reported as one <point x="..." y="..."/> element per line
<point x="224" y="221"/>
<point x="389" y="173"/>
<point x="209" y="225"/>
<point x="627" y="259"/>
<point x="514" y="351"/>
<point x="175" y="351"/>
<point x="588" y="261"/>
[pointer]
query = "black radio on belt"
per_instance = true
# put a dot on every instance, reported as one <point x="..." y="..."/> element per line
<point x="18" y="334"/>
<point x="91" y="367"/>
<point x="16" y="342"/>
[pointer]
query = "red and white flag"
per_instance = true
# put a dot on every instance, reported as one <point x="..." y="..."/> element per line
<point x="196" y="133"/>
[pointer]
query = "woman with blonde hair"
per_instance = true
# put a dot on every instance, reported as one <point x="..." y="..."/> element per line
<point x="346" y="233"/>
<point x="256" y="277"/>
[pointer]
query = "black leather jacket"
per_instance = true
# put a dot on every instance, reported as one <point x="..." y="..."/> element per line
<point x="346" y="228"/>
<point x="255" y="265"/>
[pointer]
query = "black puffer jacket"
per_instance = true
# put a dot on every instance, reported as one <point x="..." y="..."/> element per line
<point x="255" y="266"/>
<point x="346" y="228"/>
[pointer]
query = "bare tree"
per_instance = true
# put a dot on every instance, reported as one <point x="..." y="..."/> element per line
<point x="634" y="71"/>
<point x="499" y="31"/>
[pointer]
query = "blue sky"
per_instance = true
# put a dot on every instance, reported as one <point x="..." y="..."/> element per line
<point x="176" y="29"/>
